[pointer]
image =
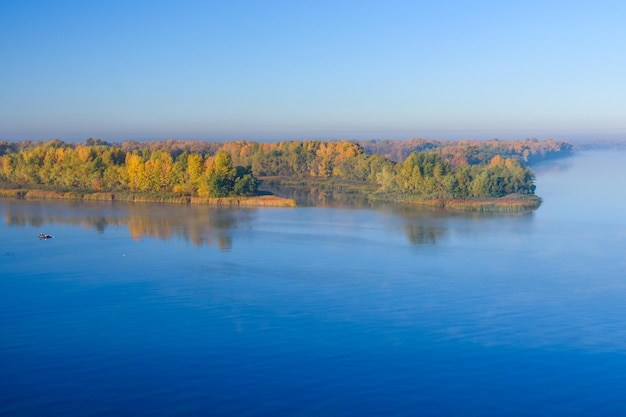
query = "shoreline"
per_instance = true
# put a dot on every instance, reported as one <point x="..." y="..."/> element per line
<point x="507" y="204"/>
<point x="254" y="201"/>
<point x="503" y="204"/>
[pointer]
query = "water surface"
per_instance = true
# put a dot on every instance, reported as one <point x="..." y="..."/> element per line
<point x="395" y="311"/>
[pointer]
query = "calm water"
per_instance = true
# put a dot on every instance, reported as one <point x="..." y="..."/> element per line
<point x="378" y="311"/>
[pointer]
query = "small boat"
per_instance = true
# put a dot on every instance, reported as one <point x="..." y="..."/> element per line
<point x="44" y="236"/>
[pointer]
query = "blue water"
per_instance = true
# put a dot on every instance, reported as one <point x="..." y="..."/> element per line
<point x="171" y="310"/>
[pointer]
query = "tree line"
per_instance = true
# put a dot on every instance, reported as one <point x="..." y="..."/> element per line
<point x="212" y="169"/>
<point x="97" y="167"/>
<point x="424" y="174"/>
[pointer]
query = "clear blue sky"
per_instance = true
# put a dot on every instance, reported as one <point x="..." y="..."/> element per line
<point x="263" y="70"/>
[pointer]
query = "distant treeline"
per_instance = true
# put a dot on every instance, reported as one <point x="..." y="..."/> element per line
<point x="430" y="169"/>
<point x="602" y="145"/>
<point x="471" y="151"/>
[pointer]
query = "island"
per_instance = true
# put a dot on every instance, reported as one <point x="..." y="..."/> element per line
<point x="465" y="175"/>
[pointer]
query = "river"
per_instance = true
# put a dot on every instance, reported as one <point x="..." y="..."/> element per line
<point x="340" y="310"/>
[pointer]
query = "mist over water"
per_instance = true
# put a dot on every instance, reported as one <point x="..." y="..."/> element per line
<point x="347" y="309"/>
<point x="588" y="187"/>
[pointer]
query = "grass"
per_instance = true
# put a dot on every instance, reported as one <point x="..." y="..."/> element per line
<point x="254" y="201"/>
<point x="512" y="204"/>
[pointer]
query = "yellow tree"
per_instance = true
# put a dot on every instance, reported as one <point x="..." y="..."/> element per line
<point x="325" y="159"/>
<point x="134" y="171"/>
<point x="194" y="167"/>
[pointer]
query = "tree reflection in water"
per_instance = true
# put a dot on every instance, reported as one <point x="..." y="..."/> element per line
<point x="420" y="234"/>
<point x="213" y="226"/>
<point x="199" y="225"/>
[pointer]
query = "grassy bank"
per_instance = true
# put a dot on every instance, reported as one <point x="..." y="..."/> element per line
<point x="255" y="201"/>
<point x="510" y="204"/>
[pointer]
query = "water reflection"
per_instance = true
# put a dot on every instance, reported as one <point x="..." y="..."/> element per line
<point x="198" y="225"/>
<point x="214" y="226"/>
<point x="314" y="197"/>
<point x="421" y="234"/>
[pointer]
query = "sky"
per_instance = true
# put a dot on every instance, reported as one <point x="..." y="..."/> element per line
<point x="280" y="70"/>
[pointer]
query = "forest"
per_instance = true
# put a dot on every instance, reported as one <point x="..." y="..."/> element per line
<point x="402" y="170"/>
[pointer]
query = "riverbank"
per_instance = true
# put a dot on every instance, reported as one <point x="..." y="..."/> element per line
<point x="510" y="203"/>
<point x="254" y="201"/>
